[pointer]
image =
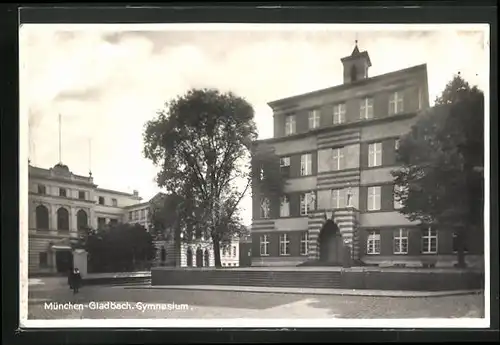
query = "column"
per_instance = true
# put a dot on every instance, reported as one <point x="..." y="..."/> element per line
<point x="53" y="217"/>
<point x="92" y="219"/>
<point x="72" y="220"/>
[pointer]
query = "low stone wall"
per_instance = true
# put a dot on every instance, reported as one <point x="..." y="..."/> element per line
<point x="411" y="280"/>
<point x="351" y="278"/>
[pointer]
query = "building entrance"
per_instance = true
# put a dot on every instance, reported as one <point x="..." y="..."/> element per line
<point x="330" y="244"/>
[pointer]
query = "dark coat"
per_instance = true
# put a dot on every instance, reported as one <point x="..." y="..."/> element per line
<point x="74" y="280"/>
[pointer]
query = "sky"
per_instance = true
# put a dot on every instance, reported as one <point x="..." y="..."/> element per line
<point x="107" y="81"/>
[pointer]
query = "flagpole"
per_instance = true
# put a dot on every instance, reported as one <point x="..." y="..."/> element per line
<point x="60" y="161"/>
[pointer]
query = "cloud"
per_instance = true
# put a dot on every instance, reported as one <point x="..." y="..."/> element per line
<point x="83" y="95"/>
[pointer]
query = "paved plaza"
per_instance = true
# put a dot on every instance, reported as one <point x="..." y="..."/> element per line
<point x="137" y="303"/>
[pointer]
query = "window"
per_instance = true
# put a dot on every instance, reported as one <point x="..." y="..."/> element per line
<point x="42" y="259"/>
<point x="338" y="159"/>
<point x="304" y="243"/>
<point x="307" y="203"/>
<point x="338" y="198"/>
<point x="373" y="198"/>
<point x="397" y="202"/>
<point x="290" y="124"/>
<point x="284" y="245"/>
<point x="113" y="221"/>
<point x="224" y="251"/>
<point x="366" y="109"/>
<point x="285" y="166"/>
<point x="264" y="208"/>
<point x="339" y="114"/>
<point x="81" y="195"/>
<point x="234" y="251"/>
<point x="114" y="202"/>
<point x="130" y="215"/>
<point x="42" y="217"/>
<point x="373" y="242"/>
<point x="264" y="245"/>
<point x="101" y="222"/>
<point x="143" y="214"/>
<point x="375" y="154"/>
<point x="62" y="192"/>
<point x="41" y="189"/>
<point x="136" y="215"/>
<point x="82" y="220"/>
<point x="285" y="206"/>
<point x="429" y="241"/>
<point x="306" y="164"/>
<point x="314" y="119"/>
<point x="401" y="241"/>
<point x="396" y="103"/>
<point x="62" y="219"/>
<point x="101" y="200"/>
<point x="455" y="244"/>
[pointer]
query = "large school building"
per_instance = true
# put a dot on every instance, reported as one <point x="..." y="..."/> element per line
<point x="337" y="148"/>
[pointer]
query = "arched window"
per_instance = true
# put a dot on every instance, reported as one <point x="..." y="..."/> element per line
<point x="207" y="258"/>
<point x="82" y="221"/>
<point x="354" y="73"/>
<point x="42" y="217"/>
<point x="199" y="257"/>
<point x="189" y="257"/>
<point x="62" y="219"/>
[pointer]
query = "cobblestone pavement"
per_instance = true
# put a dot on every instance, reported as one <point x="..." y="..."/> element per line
<point x="149" y="303"/>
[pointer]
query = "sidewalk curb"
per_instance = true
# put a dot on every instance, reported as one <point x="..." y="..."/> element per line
<point x="327" y="292"/>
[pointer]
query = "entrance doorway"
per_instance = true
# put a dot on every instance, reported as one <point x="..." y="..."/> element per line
<point x="199" y="257"/>
<point x="64" y="261"/>
<point x="330" y="244"/>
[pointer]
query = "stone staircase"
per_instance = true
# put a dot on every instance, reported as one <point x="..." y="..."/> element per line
<point x="261" y="278"/>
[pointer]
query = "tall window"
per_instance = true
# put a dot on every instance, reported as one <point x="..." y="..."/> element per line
<point x="62" y="192"/>
<point x="234" y="251"/>
<point x="307" y="203"/>
<point x="338" y="158"/>
<point x="290" y="124"/>
<point x="82" y="221"/>
<point x="136" y="215"/>
<point x="401" y="241"/>
<point x="339" y="113"/>
<point x="306" y="164"/>
<point x="264" y="245"/>
<point x="101" y="200"/>
<point x="101" y="222"/>
<point x="366" y="108"/>
<point x="62" y="219"/>
<point x="114" y="202"/>
<point x="375" y="154"/>
<point x="284" y="245"/>
<point x="264" y="208"/>
<point x="304" y="243"/>
<point x="314" y="119"/>
<point x="373" y="242"/>
<point x="81" y="195"/>
<point x="41" y="189"/>
<point x="285" y="206"/>
<point x="397" y="202"/>
<point x="374" y="198"/>
<point x="338" y="199"/>
<point x="42" y="217"/>
<point x="285" y="166"/>
<point x="429" y="241"/>
<point x="396" y="103"/>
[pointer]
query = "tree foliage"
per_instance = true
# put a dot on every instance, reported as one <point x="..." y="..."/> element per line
<point x="441" y="160"/>
<point x="202" y="143"/>
<point x="120" y="247"/>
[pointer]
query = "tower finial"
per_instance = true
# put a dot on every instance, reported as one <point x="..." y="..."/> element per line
<point x="90" y="157"/>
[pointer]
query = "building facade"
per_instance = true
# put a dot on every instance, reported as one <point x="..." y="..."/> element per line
<point x="337" y="148"/>
<point x="59" y="204"/>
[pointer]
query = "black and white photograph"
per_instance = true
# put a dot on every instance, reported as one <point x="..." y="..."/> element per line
<point x="254" y="175"/>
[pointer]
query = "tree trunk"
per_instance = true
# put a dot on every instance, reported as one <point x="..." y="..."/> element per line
<point x="460" y="250"/>
<point x="216" y="246"/>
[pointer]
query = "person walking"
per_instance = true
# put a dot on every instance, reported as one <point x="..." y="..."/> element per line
<point x="75" y="280"/>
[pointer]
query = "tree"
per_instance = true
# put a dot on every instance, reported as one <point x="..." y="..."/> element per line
<point x="117" y="247"/>
<point x="442" y="159"/>
<point x="202" y="143"/>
